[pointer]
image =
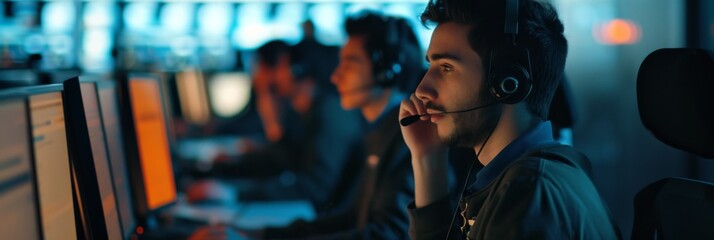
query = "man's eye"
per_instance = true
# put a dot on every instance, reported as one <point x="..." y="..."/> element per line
<point x="447" y="68"/>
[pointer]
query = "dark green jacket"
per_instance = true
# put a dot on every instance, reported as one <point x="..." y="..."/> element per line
<point x="545" y="194"/>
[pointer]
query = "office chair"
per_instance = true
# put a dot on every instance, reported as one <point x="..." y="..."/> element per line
<point x="674" y="97"/>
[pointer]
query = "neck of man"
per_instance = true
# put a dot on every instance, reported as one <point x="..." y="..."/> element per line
<point x="515" y="121"/>
<point x="376" y="105"/>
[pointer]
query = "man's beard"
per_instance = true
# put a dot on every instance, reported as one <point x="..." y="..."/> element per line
<point x="473" y="127"/>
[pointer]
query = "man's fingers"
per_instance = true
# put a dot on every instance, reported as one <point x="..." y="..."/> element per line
<point x="418" y="104"/>
<point x="407" y="109"/>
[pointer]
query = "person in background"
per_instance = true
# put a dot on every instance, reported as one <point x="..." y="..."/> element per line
<point x="318" y="59"/>
<point x="378" y="64"/>
<point x="308" y="134"/>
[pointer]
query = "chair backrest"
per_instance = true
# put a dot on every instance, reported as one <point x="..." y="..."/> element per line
<point x="675" y="208"/>
<point x="674" y="97"/>
<point x="675" y="103"/>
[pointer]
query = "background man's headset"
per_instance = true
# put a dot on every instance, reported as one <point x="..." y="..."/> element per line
<point x="387" y="56"/>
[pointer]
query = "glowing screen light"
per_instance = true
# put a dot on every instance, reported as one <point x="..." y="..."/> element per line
<point x="97" y="43"/>
<point x="153" y="142"/>
<point x="327" y="18"/>
<point x="99" y="14"/>
<point x="286" y="24"/>
<point x="58" y="16"/>
<point x="139" y="16"/>
<point x="177" y="17"/>
<point x="617" y="32"/>
<point x="410" y="12"/>
<point x="215" y="18"/>
<point x="229" y="93"/>
<point x="192" y="96"/>
<point x="253" y="28"/>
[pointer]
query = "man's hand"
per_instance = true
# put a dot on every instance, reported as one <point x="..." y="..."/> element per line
<point x="210" y="191"/>
<point x="428" y="154"/>
<point x="421" y="137"/>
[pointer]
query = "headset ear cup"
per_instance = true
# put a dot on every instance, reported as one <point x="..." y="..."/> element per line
<point x="511" y="85"/>
<point x="387" y="59"/>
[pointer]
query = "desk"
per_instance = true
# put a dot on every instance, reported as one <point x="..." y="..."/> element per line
<point x="246" y="215"/>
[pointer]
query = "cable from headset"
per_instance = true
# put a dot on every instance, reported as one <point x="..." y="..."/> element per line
<point x="468" y="174"/>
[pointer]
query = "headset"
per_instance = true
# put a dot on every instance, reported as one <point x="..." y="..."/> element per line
<point x="387" y="56"/>
<point x="510" y="78"/>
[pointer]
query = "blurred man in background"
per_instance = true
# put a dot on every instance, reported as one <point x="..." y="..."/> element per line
<point x="308" y="133"/>
<point x="378" y="64"/>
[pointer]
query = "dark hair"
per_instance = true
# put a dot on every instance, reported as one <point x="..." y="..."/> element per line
<point x="378" y="29"/>
<point x="540" y="30"/>
<point x="269" y="52"/>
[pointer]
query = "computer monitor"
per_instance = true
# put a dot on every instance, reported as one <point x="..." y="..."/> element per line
<point x="149" y="157"/>
<point x="115" y="147"/>
<point x="52" y="165"/>
<point x="193" y="99"/>
<point x="87" y="138"/>
<point x="19" y="204"/>
<point x="229" y="93"/>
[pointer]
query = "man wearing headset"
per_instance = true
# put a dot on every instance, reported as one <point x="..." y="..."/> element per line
<point x="493" y="68"/>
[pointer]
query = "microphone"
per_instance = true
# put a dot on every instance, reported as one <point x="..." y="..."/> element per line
<point x="412" y="119"/>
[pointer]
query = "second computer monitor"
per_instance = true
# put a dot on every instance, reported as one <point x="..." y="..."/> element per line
<point x="191" y="89"/>
<point x="150" y="145"/>
<point x="95" y="129"/>
<point x="115" y="147"/>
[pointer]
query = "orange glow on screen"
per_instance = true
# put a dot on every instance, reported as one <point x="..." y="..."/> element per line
<point x="159" y="185"/>
<point x="618" y="32"/>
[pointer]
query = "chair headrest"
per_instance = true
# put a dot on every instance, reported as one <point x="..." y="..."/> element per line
<point x="675" y="96"/>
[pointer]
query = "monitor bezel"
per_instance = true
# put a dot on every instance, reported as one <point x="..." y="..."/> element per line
<point x="81" y="155"/>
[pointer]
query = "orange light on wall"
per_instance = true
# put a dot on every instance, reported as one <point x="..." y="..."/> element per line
<point x="617" y="32"/>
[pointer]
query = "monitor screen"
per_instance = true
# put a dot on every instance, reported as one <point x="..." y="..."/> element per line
<point x="152" y="142"/>
<point x="20" y="217"/>
<point x="115" y="146"/>
<point x="229" y="93"/>
<point x="52" y="166"/>
<point x="101" y="161"/>
<point x="192" y="96"/>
